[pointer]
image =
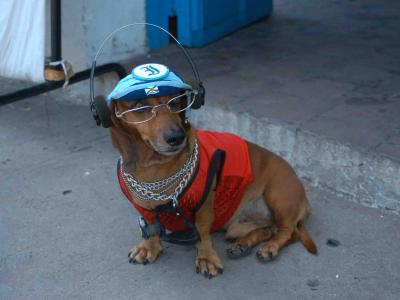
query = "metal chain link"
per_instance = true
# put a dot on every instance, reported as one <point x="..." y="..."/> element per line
<point x="155" y="191"/>
<point x="157" y="185"/>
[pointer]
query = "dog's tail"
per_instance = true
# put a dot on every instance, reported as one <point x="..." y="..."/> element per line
<point x="305" y="238"/>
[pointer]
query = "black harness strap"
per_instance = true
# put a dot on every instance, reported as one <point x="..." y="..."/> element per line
<point x="185" y="237"/>
<point x="191" y="236"/>
<point x="216" y="166"/>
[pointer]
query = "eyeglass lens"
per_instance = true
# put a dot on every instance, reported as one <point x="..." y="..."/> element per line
<point x="145" y="113"/>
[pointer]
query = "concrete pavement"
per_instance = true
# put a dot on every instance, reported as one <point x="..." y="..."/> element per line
<point x="325" y="76"/>
<point x="324" y="67"/>
<point x="317" y="82"/>
<point x="66" y="230"/>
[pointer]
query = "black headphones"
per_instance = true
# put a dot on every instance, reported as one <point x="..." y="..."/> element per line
<point x="98" y="106"/>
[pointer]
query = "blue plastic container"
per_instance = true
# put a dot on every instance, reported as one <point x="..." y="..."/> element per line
<point x="200" y="22"/>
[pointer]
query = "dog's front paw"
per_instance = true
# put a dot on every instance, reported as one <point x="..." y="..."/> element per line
<point x="146" y="252"/>
<point x="208" y="263"/>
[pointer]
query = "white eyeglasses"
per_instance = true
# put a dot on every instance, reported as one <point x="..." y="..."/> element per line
<point x="144" y="113"/>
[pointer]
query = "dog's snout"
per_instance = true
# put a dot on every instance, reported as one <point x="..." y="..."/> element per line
<point x="175" y="137"/>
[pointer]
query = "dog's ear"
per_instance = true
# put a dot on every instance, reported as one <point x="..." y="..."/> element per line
<point x="126" y="147"/>
<point x="125" y="142"/>
<point x="114" y="119"/>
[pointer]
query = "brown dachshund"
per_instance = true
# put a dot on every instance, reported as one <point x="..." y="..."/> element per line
<point x="158" y="148"/>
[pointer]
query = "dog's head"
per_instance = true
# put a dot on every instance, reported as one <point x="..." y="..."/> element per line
<point x="148" y="114"/>
<point x="165" y="133"/>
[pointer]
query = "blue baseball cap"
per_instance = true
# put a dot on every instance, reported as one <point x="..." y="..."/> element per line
<point x="147" y="80"/>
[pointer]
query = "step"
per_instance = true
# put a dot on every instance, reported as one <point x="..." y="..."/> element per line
<point x="355" y="173"/>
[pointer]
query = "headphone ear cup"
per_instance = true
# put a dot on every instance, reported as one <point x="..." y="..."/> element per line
<point x="103" y="111"/>
<point x="201" y="92"/>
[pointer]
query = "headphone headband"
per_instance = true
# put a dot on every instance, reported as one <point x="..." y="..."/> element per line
<point x="99" y="51"/>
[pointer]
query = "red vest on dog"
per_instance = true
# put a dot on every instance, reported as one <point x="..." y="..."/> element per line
<point x="235" y="177"/>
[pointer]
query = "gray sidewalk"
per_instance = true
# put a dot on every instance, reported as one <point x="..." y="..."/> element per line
<point x="323" y="75"/>
<point x="318" y="82"/>
<point x="66" y="229"/>
<point x="329" y="67"/>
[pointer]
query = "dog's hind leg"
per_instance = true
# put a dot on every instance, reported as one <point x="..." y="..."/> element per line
<point x="288" y="208"/>
<point x="252" y="226"/>
<point x="282" y="238"/>
<point x="253" y="215"/>
<point x="242" y="247"/>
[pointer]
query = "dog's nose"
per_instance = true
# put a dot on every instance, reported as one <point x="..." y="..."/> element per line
<point x="175" y="137"/>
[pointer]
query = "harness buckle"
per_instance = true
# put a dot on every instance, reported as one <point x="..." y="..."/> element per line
<point x="148" y="230"/>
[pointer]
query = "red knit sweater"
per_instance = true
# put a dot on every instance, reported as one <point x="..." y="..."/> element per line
<point x="236" y="176"/>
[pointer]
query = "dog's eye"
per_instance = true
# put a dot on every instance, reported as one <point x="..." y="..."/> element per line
<point x="178" y="102"/>
<point x="140" y="108"/>
<point x="137" y="105"/>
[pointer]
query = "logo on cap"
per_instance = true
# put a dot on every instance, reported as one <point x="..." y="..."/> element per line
<point x="150" y="72"/>
<point x="151" y="90"/>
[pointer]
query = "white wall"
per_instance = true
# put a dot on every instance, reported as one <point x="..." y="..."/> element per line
<point x="85" y="23"/>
